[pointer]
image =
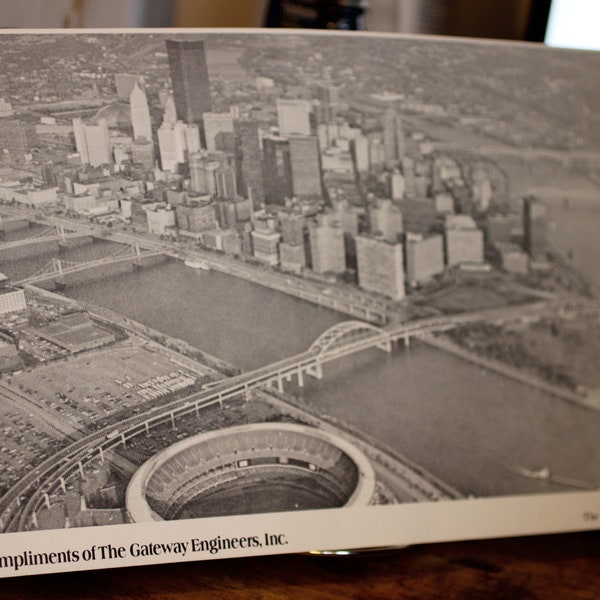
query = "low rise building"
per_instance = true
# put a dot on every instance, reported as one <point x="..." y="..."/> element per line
<point x="512" y="258"/>
<point x="80" y="203"/>
<point x="75" y="332"/>
<point x="41" y="196"/>
<point x="464" y="241"/>
<point x="9" y="356"/>
<point x="11" y="300"/>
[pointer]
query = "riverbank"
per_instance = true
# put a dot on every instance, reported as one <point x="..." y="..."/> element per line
<point x="408" y="481"/>
<point x="445" y="344"/>
<point x="191" y="357"/>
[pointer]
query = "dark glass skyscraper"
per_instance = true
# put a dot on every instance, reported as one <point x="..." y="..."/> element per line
<point x="189" y="76"/>
<point x="535" y="227"/>
<point x="278" y="170"/>
<point x="248" y="161"/>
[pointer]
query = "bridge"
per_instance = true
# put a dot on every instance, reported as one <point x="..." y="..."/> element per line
<point x="353" y="303"/>
<point x="13" y="217"/>
<point x="58" y="269"/>
<point x="56" y="233"/>
<point x="19" y="505"/>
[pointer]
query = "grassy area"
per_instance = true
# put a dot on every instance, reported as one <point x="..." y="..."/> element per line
<point x="564" y="353"/>
<point x="457" y="293"/>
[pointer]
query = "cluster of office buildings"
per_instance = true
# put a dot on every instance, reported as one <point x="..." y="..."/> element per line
<point x="297" y="182"/>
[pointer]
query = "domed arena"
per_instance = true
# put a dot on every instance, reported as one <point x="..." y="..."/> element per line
<point x="257" y="468"/>
<point x="116" y="114"/>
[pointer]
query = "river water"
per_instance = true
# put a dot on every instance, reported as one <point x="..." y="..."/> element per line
<point x="470" y="427"/>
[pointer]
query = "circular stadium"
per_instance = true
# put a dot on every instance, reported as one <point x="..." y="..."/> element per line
<point x="257" y="468"/>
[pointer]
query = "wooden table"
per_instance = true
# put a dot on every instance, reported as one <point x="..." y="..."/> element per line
<point x="545" y="567"/>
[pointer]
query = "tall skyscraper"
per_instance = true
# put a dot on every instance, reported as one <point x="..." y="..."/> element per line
<point x="140" y="114"/>
<point x="278" y="170"/>
<point x="359" y="147"/>
<point x="248" y="160"/>
<point x="80" y="143"/>
<point x="393" y="136"/>
<point x="172" y="145"/>
<point x="197" y="173"/>
<point x="98" y="143"/>
<point x="215" y="123"/>
<point x="170" y="113"/>
<point x="305" y="166"/>
<point x="226" y="187"/>
<point x="380" y="266"/>
<point x="192" y="138"/>
<point x="534" y="224"/>
<point x="327" y="249"/>
<point x="143" y="153"/>
<point x="424" y="257"/>
<point x="92" y="142"/>
<point x="189" y="76"/>
<point x="397" y="185"/>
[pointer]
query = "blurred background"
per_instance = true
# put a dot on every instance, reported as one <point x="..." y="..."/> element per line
<point x="571" y="23"/>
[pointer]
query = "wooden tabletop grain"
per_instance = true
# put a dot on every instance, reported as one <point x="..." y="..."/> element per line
<point x="549" y="567"/>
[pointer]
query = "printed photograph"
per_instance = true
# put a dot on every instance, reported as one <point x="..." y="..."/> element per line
<point x="245" y="273"/>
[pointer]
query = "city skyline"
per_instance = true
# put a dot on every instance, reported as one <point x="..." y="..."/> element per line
<point x="254" y="253"/>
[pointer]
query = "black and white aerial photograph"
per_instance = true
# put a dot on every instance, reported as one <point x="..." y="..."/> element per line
<point x="247" y="273"/>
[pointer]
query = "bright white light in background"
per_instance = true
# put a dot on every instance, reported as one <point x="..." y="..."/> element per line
<point x="574" y="24"/>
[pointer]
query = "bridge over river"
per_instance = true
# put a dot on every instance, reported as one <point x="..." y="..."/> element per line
<point x="20" y="504"/>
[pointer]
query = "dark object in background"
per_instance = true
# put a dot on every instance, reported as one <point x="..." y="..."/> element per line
<point x="317" y="14"/>
<point x="510" y="19"/>
<point x="538" y="20"/>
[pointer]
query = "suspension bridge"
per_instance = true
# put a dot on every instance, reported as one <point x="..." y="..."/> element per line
<point x="56" y="233"/>
<point x="14" y="217"/>
<point x="57" y="269"/>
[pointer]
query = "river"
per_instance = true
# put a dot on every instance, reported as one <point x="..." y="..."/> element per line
<point x="470" y="427"/>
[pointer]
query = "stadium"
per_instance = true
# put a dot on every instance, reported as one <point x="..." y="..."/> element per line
<point x="256" y="468"/>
